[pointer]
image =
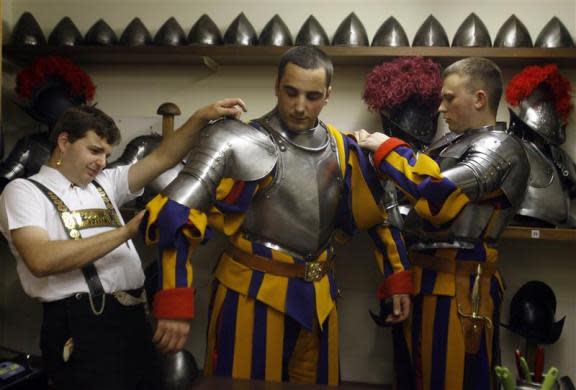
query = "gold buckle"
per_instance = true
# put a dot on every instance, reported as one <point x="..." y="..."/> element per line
<point x="313" y="271"/>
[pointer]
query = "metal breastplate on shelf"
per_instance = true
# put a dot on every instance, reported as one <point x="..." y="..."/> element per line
<point x="296" y="212"/>
<point x="546" y="199"/>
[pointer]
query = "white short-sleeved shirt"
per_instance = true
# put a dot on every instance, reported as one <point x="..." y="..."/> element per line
<point x="23" y="204"/>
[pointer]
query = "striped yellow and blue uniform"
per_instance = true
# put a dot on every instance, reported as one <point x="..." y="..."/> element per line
<point x="430" y="346"/>
<point x="264" y="326"/>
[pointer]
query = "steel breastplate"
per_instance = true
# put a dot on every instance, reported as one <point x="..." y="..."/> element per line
<point x="296" y="212"/>
<point x="546" y="199"/>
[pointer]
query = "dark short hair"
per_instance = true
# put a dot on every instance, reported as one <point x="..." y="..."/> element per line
<point x="482" y="73"/>
<point x="307" y="57"/>
<point x="77" y="121"/>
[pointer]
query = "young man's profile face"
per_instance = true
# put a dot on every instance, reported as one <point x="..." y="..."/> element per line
<point x="457" y="104"/>
<point x="301" y="93"/>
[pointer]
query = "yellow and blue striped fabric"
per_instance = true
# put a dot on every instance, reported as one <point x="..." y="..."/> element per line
<point x="429" y="348"/>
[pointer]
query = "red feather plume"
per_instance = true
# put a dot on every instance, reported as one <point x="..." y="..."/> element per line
<point x="523" y="84"/>
<point x="408" y="78"/>
<point x="76" y="81"/>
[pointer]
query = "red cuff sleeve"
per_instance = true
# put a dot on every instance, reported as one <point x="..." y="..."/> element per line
<point x="175" y="304"/>
<point x="384" y="150"/>
<point x="398" y="283"/>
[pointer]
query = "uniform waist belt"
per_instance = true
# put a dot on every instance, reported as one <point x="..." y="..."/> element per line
<point x="440" y="264"/>
<point x="310" y="271"/>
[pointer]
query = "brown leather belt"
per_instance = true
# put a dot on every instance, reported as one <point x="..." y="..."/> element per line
<point x="450" y="266"/>
<point x="310" y="271"/>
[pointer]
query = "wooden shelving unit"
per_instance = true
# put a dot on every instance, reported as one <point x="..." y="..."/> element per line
<point x="264" y="55"/>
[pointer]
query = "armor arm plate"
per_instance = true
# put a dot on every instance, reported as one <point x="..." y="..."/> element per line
<point x="493" y="162"/>
<point x="478" y="173"/>
<point x="226" y="148"/>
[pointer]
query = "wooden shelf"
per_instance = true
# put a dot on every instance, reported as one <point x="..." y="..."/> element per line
<point x="264" y="55"/>
<point x="536" y="233"/>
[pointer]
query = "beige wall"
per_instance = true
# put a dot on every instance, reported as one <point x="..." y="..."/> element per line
<point x="132" y="94"/>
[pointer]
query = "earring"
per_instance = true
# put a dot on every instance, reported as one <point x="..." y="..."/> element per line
<point x="59" y="161"/>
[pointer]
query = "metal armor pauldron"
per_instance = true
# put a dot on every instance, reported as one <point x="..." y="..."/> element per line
<point x="226" y="148"/>
<point x="480" y="162"/>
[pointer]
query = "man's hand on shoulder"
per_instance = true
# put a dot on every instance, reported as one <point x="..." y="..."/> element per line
<point x="171" y="335"/>
<point x="370" y="141"/>
<point x="230" y="107"/>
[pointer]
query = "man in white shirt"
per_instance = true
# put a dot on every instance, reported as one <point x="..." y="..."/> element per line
<point x="74" y="252"/>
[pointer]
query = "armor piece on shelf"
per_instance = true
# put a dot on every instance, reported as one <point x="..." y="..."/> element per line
<point x="477" y="163"/>
<point x="390" y="34"/>
<point x="532" y="312"/>
<point x="205" y="32"/>
<point x="25" y="159"/>
<point x="538" y="112"/>
<point x="27" y="32"/>
<point x="513" y="33"/>
<point x="50" y="101"/>
<point x="137" y="149"/>
<point x="100" y="34"/>
<point x="351" y="32"/>
<point x="566" y="167"/>
<point x="431" y="33"/>
<point x="416" y="124"/>
<point x="240" y="32"/>
<point x="554" y="35"/>
<point x="170" y="34"/>
<point x="305" y="228"/>
<point x="406" y="92"/>
<point x="227" y="149"/>
<point x="543" y="97"/>
<point x="312" y="33"/>
<point x="50" y="86"/>
<point x="275" y="33"/>
<point x="552" y="179"/>
<point x="65" y="34"/>
<point x="136" y="34"/>
<point x="546" y="198"/>
<point x="472" y="33"/>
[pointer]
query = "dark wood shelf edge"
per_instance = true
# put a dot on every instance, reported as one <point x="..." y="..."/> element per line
<point x="264" y="55"/>
<point x="537" y="233"/>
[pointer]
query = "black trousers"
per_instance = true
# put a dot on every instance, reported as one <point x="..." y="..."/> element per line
<point x="111" y="351"/>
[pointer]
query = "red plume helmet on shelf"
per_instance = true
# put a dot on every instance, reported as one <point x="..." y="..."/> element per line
<point x="544" y="98"/>
<point x="52" y="85"/>
<point x="406" y="92"/>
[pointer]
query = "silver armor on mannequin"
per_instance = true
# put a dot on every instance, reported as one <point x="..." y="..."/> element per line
<point x="546" y="198"/>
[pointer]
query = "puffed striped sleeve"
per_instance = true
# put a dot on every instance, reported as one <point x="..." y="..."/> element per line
<point x="361" y="209"/>
<point x="177" y="230"/>
<point x="435" y="198"/>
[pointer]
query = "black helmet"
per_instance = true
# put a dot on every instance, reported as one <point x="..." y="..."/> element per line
<point x="532" y="312"/>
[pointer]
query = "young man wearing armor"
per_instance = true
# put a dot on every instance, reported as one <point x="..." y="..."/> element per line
<point x="74" y="252"/>
<point x="282" y="188"/>
<point x="464" y="192"/>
